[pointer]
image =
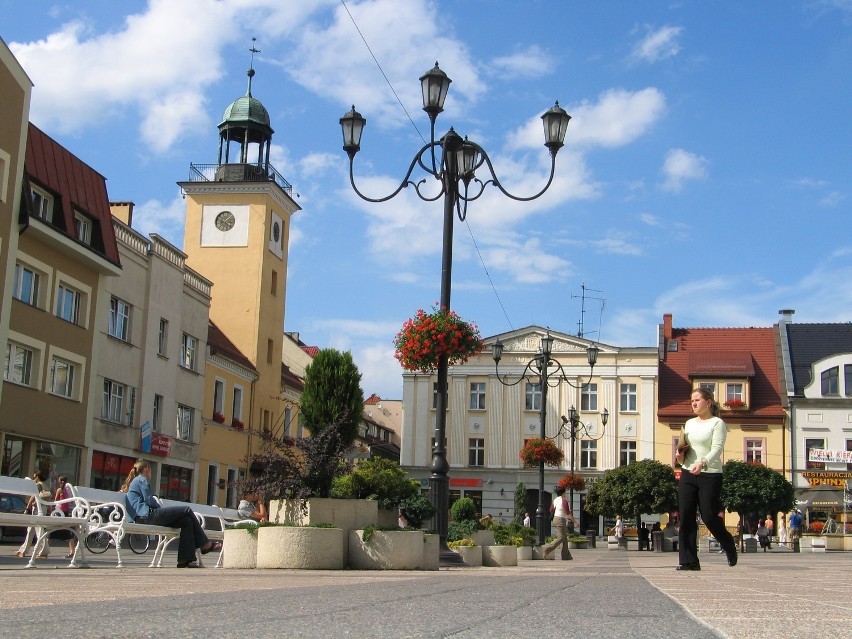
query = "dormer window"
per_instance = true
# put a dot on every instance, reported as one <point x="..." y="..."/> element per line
<point x="830" y="381"/>
<point x="735" y="393"/>
<point x="82" y="228"/>
<point x="42" y="204"/>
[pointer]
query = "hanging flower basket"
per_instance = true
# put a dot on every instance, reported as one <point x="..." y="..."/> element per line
<point x="427" y="336"/>
<point x="572" y="481"/>
<point x="536" y="451"/>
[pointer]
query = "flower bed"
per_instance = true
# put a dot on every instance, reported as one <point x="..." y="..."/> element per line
<point x="537" y="450"/>
<point x="424" y="338"/>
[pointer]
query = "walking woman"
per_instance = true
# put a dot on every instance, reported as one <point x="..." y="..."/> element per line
<point x="700" y="487"/>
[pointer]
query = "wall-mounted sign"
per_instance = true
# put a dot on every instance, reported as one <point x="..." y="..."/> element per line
<point x="830" y="456"/>
<point x="161" y="445"/>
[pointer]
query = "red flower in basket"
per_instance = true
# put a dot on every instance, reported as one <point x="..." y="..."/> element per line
<point x="238" y="424"/>
<point x="572" y="481"/>
<point x="536" y="451"/>
<point x="427" y="336"/>
<point x="219" y="418"/>
<point x="735" y="402"/>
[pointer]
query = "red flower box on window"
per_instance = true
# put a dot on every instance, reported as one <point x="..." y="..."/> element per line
<point x="219" y="418"/>
<point x="238" y="424"/>
<point x="427" y="336"/>
<point x="536" y="451"/>
<point x="735" y="402"/>
<point x="572" y="481"/>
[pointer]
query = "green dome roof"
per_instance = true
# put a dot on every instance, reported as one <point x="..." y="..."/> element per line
<point x="246" y="109"/>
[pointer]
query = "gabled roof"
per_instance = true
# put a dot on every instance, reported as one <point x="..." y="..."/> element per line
<point x="74" y="185"/>
<point x="713" y="347"/>
<point x="291" y="380"/>
<point x="809" y="343"/>
<point x="219" y="344"/>
<point x="313" y="351"/>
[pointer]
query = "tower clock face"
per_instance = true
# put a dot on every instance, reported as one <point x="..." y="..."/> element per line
<point x="276" y="231"/>
<point x="225" y="221"/>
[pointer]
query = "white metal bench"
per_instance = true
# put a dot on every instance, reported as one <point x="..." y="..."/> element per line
<point x="116" y="524"/>
<point x="44" y="521"/>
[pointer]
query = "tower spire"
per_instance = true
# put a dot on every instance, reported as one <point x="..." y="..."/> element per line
<point x="250" y="72"/>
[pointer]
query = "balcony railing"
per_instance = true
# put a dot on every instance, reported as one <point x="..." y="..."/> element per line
<point x="238" y="173"/>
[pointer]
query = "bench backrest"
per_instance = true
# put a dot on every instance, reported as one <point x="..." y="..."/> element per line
<point x="28" y="488"/>
<point x="98" y="495"/>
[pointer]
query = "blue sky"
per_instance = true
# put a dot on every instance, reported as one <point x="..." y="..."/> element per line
<point x="706" y="170"/>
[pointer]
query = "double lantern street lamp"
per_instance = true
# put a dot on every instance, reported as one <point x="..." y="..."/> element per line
<point x="453" y="162"/>
<point x="570" y="426"/>
<point x="541" y="366"/>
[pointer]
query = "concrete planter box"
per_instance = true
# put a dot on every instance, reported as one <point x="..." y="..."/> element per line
<point x="838" y="542"/>
<point x="525" y="553"/>
<point x="431" y="551"/>
<point x="472" y="555"/>
<point x="577" y="545"/>
<point x="386" y="518"/>
<point x="499" y="556"/>
<point x="239" y="550"/>
<point x="386" y="550"/>
<point x="819" y="544"/>
<point x="483" y="537"/>
<point x="347" y="514"/>
<point x="298" y="548"/>
<point x="612" y="543"/>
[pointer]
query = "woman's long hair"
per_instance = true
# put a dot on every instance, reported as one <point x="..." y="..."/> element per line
<point x="708" y="395"/>
<point x="137" y="469"/>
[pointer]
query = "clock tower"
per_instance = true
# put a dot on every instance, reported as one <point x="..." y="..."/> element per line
<point x="236" y="235"/>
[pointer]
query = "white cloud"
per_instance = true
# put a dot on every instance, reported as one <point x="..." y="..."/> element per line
<point x="832" y="199"/>
<point x="532" y="62"/>
<point x="166" y="219"/>
<point x="658" y="45"/>
<point x="680" y="166"/>
<point x="650" y="220"/>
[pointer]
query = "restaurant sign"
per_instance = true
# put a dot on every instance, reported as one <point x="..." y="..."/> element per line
<point x="830" y="456"/>
<point x="836" y="479"/>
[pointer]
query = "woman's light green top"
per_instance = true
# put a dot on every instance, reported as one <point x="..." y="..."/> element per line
<point x="707" y="440"/>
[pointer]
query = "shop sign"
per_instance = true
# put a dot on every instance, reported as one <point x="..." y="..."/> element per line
<point x="836" y="479"/>
<point x="465" y="482"/>
<point x="830" y="456"/>
<point x="161" y="445"/>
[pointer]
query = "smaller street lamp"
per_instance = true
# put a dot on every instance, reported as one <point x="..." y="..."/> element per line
<point x="570" y="427"/>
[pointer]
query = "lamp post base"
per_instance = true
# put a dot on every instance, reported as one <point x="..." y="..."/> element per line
<point x="450" y="559"/>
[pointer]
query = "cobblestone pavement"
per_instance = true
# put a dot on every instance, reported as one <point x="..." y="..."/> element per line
<point x="601" y="593"/>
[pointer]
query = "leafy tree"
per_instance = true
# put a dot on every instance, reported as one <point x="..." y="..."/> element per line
<point x="646" y="486"/>
<point x="380" y="479"/>
<point x="463" y="509"/>
<point x="749" y="488"/>
<point x="300" y="468"/>
<point x="418" y="509"/>
<point x="332" y="394"/>
<point x="520" y="501"/>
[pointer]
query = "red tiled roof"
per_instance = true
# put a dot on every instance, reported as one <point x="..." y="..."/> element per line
<point x="76" y="185"/>
<point x="220" y="345"/>
<point x="313" y="351"/>
<point x="373" y="399"/>
<point x="709" y="347"/>
<point x="716" y="363"/>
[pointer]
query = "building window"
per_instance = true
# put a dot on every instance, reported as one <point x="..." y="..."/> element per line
<point x="848" y="449"/>
<point x="189" y="351"/>
<point x="219" y="397"/>
<point x="288" y="420"/>
<point x="755" y="451"/>
<point x="830" y="381"/>
<point x="119" y="319"/>
<point x="274" y="286"/>
<point x="435" y="396"/>
<point x="26" y="285"/>
<point x="847" y="379"/>
<point x="589" y="397"/>
<point x="628" y="398"/>
<point x="212" y="483"/>
<point x="477" y="396"/>
<point x="270" y="351"/>
<point x="83" y="228"/>
<point x="476" y="452"/>
<point x="61" y="378"/>
<point x="809" y="444"/>
<point x="734" y="391"/>
<point x="68" y="304"/>
<point x="42" y="204"/>
<point x="175" y="483"/>
<point x="237" y="406"/>
<point x="163" y="337"/>
<point x="588" y="454"/>
<point x="184" y="423"/>
<point x="532" y="397"/>
<point x="626" y="452"/>
<point x="710" y="387"/>
<point x="157" y="416"/>
<point x="18" y="365"/>
<point x="113" y="401"/>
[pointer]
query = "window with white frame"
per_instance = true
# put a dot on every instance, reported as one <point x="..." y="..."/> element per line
<point x="112" y="408"/>
<point x="68" y="304"/>
<point x="755" y="450"/>
<point x="119" y="319"/>
<point x="847" y="379"/>
<point x="237" y="407"/>
<point x="532" y="397"/>
<point x="476" y="452"/>
<point x="189" y="351"/>
<point x="42" y="204"/>
<point x="26" y="285"/>
<point x="628" y="398"/>
<point x="18" y="365"/>
<point x="219" y="397"/>
<point x="477" y="396"/>
<point x="82" y="227"/>
<point x="184" y="423"/>
<point x="848" y="449"/>
<point x="163" y="337"/>
<point x="734" y="391"/>
<point x="588" y="454"/>
<point x="830" y="381"/>
<point x="709" y="387"/>
<point x="288" y="420"/>
<point x="157" y="414"/>
<point x="589" y="397"/>
<point x="62" y="377"/>
<point x="809" y="444"/>
<point x="626" y="452"/>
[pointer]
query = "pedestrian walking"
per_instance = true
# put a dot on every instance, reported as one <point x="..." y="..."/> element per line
<point x="561" y="515"/>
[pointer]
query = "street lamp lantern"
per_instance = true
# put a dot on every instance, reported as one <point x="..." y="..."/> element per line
<point x="452" y="162"/>
<point x="573" y="425"/>
<point x="538" y="370"/>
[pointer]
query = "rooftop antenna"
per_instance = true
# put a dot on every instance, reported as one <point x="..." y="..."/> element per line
<point x="583" y="296"/>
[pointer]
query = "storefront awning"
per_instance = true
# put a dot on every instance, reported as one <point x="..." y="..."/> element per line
<point x="820" y="499"/>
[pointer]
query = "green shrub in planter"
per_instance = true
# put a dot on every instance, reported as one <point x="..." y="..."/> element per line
<point x="461" y="543"/>
<point x="457" y="530"/>
<point x="514" y="534"/>
<point x="463" y="509"/>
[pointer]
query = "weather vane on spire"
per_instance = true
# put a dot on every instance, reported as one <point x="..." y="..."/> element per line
<point x="250" y="73"/>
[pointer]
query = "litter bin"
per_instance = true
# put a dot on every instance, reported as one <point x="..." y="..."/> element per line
<point x="657" y="539"/>
<point x="592" y="536"/>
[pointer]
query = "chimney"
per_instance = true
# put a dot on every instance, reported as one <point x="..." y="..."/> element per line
<point x="667" y="326"/>
<point x="123" y="211"/>
<point x="787" y="315"/>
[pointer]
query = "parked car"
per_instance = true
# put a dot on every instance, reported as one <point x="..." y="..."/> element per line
<point x="12" y="504"/>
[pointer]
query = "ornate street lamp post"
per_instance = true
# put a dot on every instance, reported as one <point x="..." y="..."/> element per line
<point x="539" y="366"/>
<point x="453" y="162"/>
<point x="573" y="425"/>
